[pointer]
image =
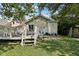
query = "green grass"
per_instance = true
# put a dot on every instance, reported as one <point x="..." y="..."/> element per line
<point x="25" y="51"/>
<point x="62" y="47"/>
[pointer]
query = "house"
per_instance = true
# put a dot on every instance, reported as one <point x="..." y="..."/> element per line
<point x="29" y="31"/>
<point x="45" y="26"/>
<point x="16" y="30"/>
<point x="74" y="31"/>
<point x="8" y="26"/>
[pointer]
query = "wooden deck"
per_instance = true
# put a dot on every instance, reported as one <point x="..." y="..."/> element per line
<point x="25" y="40"/>
<point x="17" y="38"/>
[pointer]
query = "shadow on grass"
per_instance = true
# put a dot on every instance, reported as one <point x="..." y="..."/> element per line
<point x="4" y="47"/>
<point x="62" y="47"/>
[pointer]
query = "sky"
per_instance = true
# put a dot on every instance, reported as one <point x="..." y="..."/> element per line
<point x="44" y="12"/>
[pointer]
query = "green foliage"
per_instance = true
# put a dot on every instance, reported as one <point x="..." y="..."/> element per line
<point x="16" y="10"/>
<point x="70" y="9"/>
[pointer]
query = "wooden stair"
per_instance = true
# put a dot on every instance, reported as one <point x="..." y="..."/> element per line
<point x="28" y="42"/>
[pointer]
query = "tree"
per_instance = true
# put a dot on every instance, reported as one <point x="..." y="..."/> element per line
<point x="68" y="17"/>
<point x="16" y="10"/>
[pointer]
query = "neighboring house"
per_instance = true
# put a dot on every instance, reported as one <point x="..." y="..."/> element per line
<point x="45" y="26"/>
<point x="74" y="31"/>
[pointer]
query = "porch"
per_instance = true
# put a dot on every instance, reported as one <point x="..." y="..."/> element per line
<point x="19" y="33"/>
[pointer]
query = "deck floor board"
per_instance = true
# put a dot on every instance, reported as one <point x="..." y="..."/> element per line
<point x="16" y="38"/>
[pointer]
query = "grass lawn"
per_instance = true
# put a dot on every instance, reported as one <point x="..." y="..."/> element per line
<point x="62" y="47"/>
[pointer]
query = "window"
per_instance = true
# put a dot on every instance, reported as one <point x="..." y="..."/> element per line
<point x="31" y="27"/>
<point x="13" y="22"/>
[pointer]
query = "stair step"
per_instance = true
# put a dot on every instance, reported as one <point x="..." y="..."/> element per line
<point x="27" y="44"/>
<point x="28" y="41"/>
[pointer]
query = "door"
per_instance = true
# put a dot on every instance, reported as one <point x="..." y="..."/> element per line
<point x="31" y="29"/>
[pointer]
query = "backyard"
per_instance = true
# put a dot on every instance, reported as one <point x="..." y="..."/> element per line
<point x="63" y="47"/>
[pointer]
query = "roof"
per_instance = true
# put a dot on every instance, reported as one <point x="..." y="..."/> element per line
<point x="7" y="23"/>
<point x="18" y="25"/>
<point x="47" y="19"/>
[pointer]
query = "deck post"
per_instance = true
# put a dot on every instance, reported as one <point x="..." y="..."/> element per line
<point x="22" y="40"/>
<point x="35" y="35"/>
<point x="25" y="31"/>
<point x="10" y="35"/>
<point x="3" y="34"/>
